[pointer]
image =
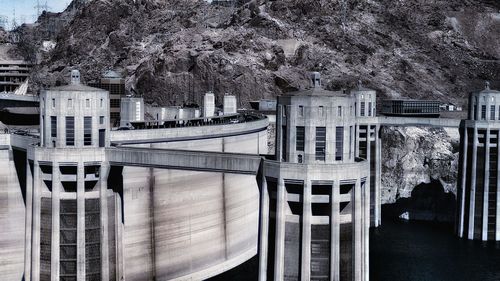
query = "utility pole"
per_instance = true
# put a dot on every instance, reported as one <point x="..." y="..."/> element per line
<point x="41" y="7"/>
<point x="14" y="23"/>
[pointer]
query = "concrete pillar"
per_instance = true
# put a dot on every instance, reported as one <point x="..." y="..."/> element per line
<point x="463" y="184"/>
<point x="486" y="182"/>
<point x="357" y="241"/>
<point x="280" y="232"/>
<point x="35" y="238"/>
<point x="306" y="232"/>
<point x="356" y="141"/>
<point x="103" y="199"/>
<point x="378" y="205"/>
<point x="28" y="221"/>
<point x="119" y="238"/>
<point x="335" y="232"/>
<point x="368" y="158"/>
<point x="497" y="224"/>
<point x="56" y="187"/>
<point x="80" y="229"/>
<point x="472" y="185"/>
<point x="264" y="229"/>
<point x="366" y="229"/>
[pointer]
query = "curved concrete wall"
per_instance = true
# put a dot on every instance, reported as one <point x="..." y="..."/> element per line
<point x="187" y="225"/>
<point x="12" y="214"/>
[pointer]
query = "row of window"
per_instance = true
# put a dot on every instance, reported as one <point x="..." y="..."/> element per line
<point x="362" y="109"/>
<point x="483" y="112"/>
<point x="70" y="129"/>
<point x="320" y="145"/>
<point x="321" y="111"/>
<point x="69" y="103"/>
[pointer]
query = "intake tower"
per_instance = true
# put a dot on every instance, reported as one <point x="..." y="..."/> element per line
<point x="479" y="179"/>
<point x="315" y="195"/>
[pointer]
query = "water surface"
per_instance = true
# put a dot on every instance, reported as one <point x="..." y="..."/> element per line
<point x="419" y="251"/>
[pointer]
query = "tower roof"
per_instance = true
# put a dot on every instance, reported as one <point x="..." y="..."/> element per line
<point x="488" y="90"/>
<point x="361" y="88"/>
<point x="316" y="92"/>
<point x="75" y="85"/>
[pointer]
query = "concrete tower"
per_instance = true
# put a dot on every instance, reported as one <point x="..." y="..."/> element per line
<point x="315" y="194"/>
<point x="209" y="105"/>
<point x="230" y="104"/>
<point x="70" y="217"/>
<point x="479" y="178"/>
<point x="131" y="110"/>
<point x="368" y="145"/>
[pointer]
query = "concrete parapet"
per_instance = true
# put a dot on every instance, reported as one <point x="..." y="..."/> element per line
<point x="187" y="133"/>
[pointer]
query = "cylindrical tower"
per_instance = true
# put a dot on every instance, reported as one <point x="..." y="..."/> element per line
<point x="315" y="194"/>
<point x="478" y="182"/>
<point x="71" y="215"/>
<point x="368" y="144"/>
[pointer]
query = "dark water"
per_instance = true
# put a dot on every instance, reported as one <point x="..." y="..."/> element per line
<point x="419" y="251"/>
<point x="414" y="251"/>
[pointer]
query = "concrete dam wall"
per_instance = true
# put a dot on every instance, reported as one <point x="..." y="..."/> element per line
<point x="190" y="225"/>
<point x="12" y="214"/>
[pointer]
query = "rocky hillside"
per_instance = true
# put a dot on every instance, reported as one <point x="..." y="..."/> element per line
<point x="414" y="156"/>
<point x="173" y="51"/>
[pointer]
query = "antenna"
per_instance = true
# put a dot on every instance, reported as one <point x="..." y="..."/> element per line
<point x="41" y="7"/>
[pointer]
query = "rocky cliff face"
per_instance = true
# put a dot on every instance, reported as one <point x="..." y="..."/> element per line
<point x="414" y="156"/>
<point x="173" y="51"/>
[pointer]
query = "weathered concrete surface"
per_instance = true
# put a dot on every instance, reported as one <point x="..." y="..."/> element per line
<point x="184" y="160"/>
<point x="187" y="133"/>
<point x="12" y="215"/>
<point x="185" y="224"/>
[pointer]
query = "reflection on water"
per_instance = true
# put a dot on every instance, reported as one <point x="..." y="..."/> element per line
<point x="421" y="251"/>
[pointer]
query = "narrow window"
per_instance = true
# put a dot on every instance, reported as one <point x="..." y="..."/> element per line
<point x="102" y="137"/>
<point x="53" y="126"/>
<point x="283" y="143"/>
<point x="70" y="130"/>
<point x="339" y="143"/>
<point x="102" y="103"/>
<point x="101" y="120"/>
<point x="300" y="133"/>
<point x="321" y="111"/>
<point x="87" y="130"/>
<point x="369" y="109"/>
<point x="87" y="103"/>
<point x="483" y="112"/>
<point x="362" y="113"/>
<point x="53" y="103"/>
<point x="44" y="129"/>
<point x="301" y="110"/>
<point x="70" y="103"/>
<point x="320" y="143"/>
<point x="350" y="142"/>
<point x="283" y="111"/>
<point x="339" y="111"/>
<point x="492" y="112"/>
